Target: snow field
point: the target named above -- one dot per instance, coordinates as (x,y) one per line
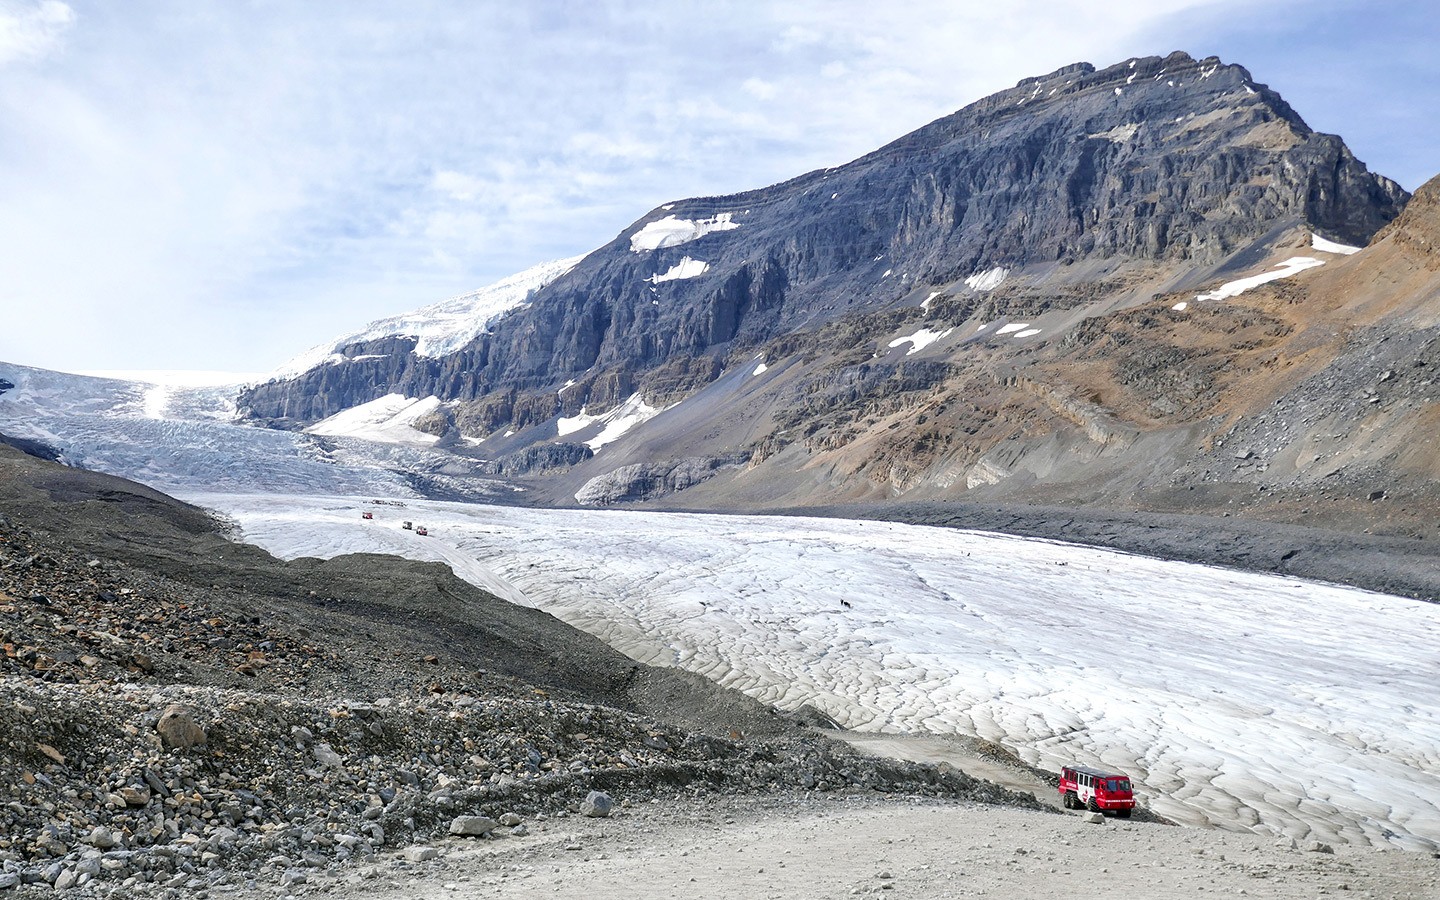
(671,231)
(1289,267)
(617,421)
(389,419)
(1234,700)
(440,328)
(685,268)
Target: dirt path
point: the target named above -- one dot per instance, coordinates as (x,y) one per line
(962,754)
(822,848)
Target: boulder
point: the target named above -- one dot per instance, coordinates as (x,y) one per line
(472,826)
(178,728)
(597,805)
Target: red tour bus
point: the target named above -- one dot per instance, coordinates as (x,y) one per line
(1082,787)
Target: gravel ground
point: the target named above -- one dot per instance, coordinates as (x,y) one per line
(842,846)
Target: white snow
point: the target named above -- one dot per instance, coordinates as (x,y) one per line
(389,419)
(685,268)
(1237,700)
(1119,91)
(919,340)
(1181,306)
(106,425)
(672,231)
(1320,243)
(760,368)
(617,421)
(887,273)
(569,383)
(1285,269)
(925,304)
(1013,327)
(987,280)
(443,327)
(1029,332)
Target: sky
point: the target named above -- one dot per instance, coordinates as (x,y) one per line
(222,185)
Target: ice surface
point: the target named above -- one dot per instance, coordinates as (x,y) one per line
(441,327)
(672,231)
(1282,270)
(685,268)
(1319,243)
(919,340)
(107,425)
(389,419)
(1239,700)
(987,280)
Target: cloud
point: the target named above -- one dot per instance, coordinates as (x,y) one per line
(32,30)
(456,185)
(759,88)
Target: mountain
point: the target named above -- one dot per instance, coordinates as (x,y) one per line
(957,313)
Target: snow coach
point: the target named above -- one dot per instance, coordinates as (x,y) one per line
(421,530)
(407,525)
(1082,787)
(367,515)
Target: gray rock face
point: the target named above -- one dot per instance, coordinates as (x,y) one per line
(644,481)
(1156,160)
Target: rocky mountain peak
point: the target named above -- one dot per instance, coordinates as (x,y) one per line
(1082,178)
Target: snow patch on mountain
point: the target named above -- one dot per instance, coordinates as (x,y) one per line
(919,340)
(987,280)
(1321,244)
(1289,267)
(672,231)
(617,421)
(685,268)
(441,328)
(389,419)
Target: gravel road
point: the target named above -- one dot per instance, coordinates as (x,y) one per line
(897,847)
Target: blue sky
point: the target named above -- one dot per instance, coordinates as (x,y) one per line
(218,185)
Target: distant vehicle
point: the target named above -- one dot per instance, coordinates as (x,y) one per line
(1082,787)
(407,526)
(421,530)
(368,515)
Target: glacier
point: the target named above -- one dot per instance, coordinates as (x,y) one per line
(1235,700)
